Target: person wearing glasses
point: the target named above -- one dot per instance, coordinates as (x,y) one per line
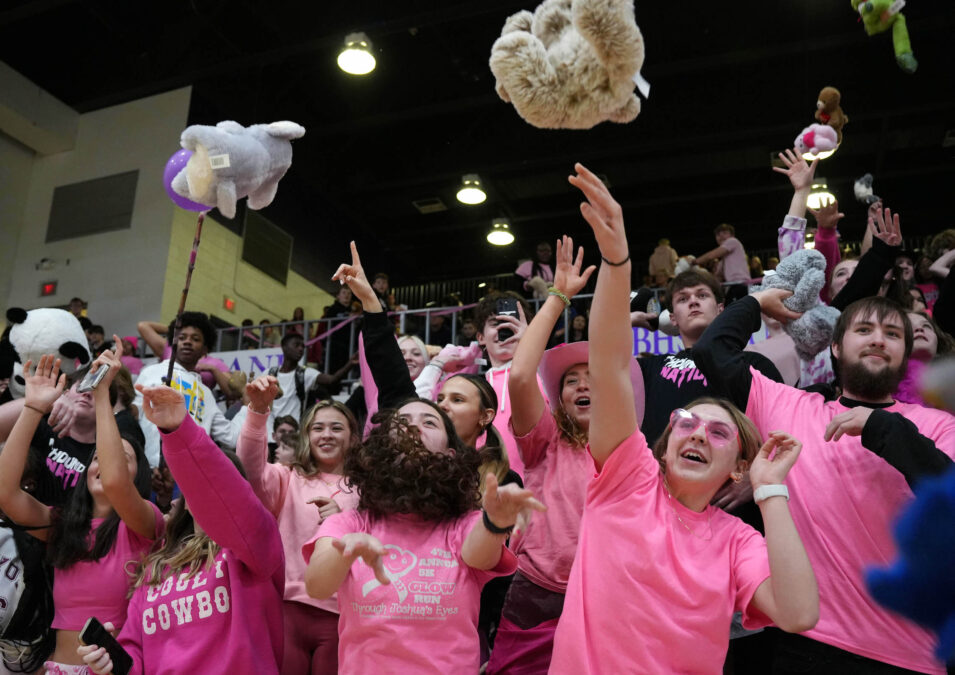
(659,572)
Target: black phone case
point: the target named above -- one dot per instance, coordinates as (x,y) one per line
(94,634)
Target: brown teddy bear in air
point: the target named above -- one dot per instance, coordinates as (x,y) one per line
(571,64)
(828,110)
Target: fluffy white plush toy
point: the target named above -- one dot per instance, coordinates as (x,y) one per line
(46,331)
(571,64)
(230,161)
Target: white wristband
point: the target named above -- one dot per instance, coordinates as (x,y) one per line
(764,492)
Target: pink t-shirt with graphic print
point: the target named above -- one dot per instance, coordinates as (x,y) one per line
(654,584)
(101,588)
(844,501)
(426,619)
(557,473)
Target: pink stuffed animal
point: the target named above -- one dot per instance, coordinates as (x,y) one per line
(817,138)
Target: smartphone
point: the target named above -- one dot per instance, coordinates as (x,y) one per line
(92,380)
(506,307)
(93,633)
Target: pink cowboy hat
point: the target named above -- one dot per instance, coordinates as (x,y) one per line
(557,360)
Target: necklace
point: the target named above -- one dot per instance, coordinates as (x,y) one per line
(709,531)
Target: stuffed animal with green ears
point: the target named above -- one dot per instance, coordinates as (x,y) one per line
(879,16)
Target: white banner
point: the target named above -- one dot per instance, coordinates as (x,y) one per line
(256,361)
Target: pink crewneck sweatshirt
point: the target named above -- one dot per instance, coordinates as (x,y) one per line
(228,618)
(285,492)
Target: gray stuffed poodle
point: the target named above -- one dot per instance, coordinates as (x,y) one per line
(804,273)
(230,161)
(571,64)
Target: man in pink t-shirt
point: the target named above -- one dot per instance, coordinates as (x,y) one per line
(861,454)
(733,265)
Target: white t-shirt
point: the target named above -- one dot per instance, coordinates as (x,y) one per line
(289,403)
(200,404)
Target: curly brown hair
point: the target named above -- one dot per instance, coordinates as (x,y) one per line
(395,473)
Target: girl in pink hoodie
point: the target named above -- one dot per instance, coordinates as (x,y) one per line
(300,497)
(106,524)
(210,598)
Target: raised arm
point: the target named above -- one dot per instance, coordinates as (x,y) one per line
(718,352)
(613,418)
(332,558)
(154,333)
(790,597)
(527,402)
(252,447)
(42,389)
(827,241)
(136,512)
(886,236)
(220,499)
(502,505)
(382,353)
(793,231)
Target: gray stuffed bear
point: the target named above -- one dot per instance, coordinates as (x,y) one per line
(804,273)
(571,64)
(230,161)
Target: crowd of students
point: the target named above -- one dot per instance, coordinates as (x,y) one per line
(571,510)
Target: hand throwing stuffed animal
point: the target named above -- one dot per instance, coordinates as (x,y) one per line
(879,16)
(230,161)
(829,112)
(804,273)
(571,64)
(817,138)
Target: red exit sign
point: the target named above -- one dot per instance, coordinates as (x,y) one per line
(47,288)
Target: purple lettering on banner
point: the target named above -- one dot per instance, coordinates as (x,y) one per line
(234,366)
(258,364)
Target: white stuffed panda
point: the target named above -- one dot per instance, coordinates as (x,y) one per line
(42,331)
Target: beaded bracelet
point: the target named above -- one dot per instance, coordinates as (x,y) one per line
(495,529)
(553,290)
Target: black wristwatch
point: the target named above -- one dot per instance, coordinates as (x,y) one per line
(494,529)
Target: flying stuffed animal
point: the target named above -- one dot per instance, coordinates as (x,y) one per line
(816,138)
(230,161)
(572,64)
(829,112)
(863,190)
(879,16)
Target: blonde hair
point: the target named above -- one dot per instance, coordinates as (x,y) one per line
(304,462)
(421,345)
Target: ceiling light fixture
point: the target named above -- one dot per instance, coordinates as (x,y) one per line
(820,195)
(500,233)
(471,191)
(355,57)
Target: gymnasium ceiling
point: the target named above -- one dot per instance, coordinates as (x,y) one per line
(732,83)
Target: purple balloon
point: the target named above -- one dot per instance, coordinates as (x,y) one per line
(176,164)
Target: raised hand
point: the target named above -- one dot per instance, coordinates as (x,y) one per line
(62,416)
(828,216)
(603,214)
(799,172)
(771,304)
(354,277)
(110,358)
(368,548)
(885,226)
(44,386)
(505,503)
(261,392)
(163,406)
(774,460)
(568,277)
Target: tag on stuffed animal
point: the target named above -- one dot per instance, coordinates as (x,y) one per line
(219,161)
(896,7)
(642,85)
